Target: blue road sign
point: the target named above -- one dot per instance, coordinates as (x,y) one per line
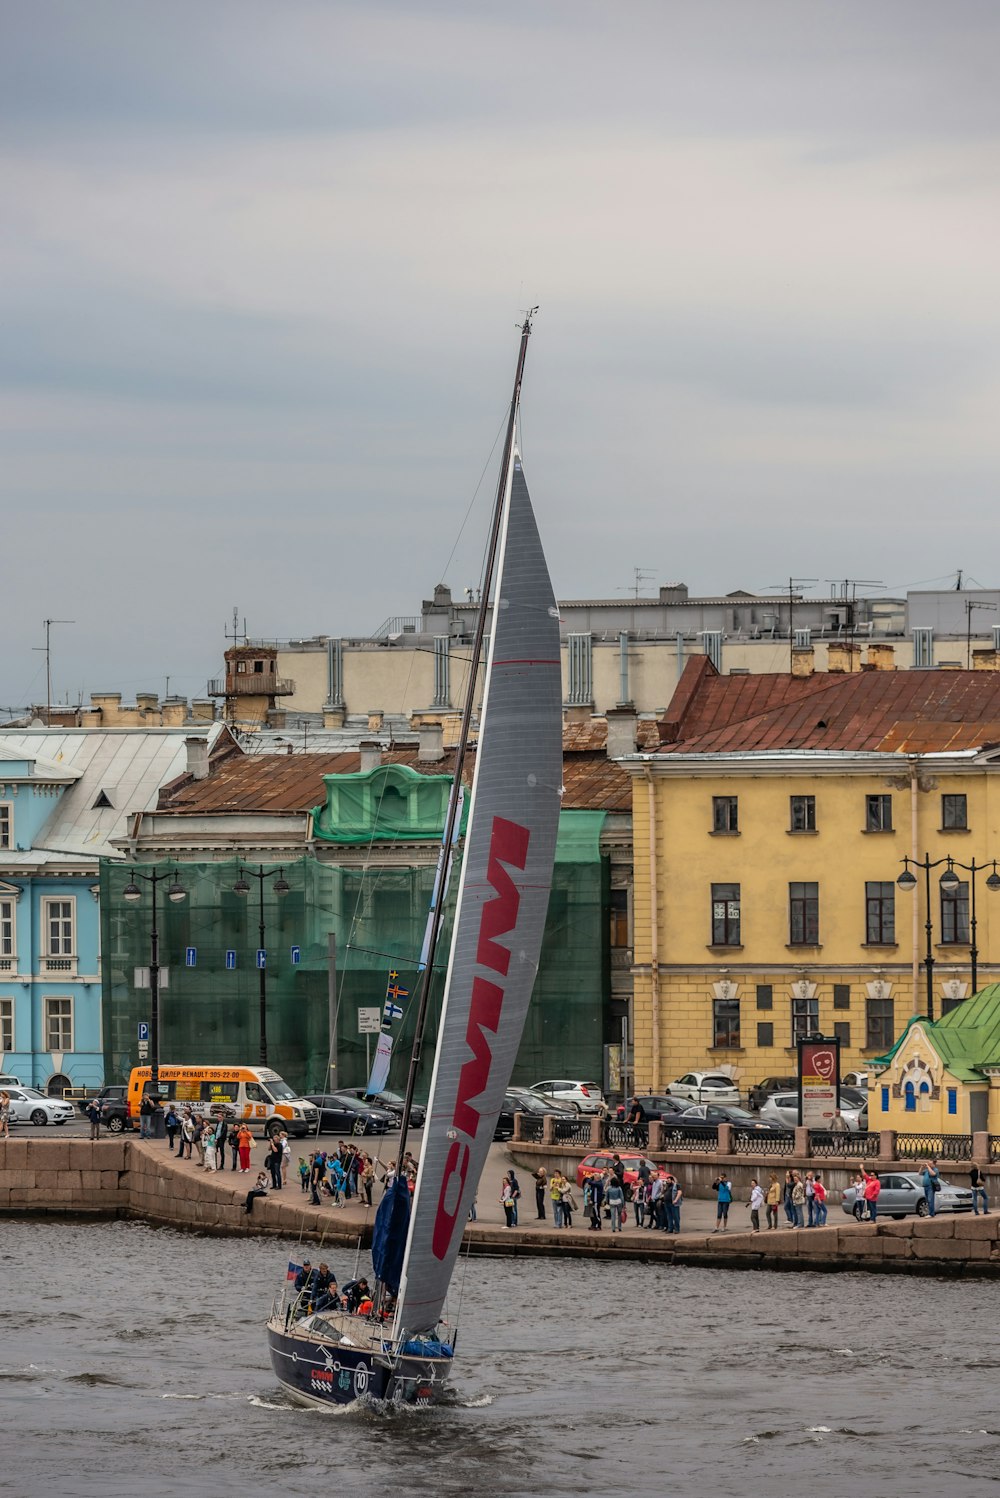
(191,956)
(261,957)
(143,1030)
(230,958)
(296,956)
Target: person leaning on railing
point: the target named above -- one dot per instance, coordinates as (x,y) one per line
(838,1124)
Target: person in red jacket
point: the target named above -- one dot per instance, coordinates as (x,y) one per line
(872,1188)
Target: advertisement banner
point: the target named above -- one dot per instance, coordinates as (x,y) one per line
(819,1082)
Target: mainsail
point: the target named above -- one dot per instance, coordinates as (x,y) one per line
(500,915)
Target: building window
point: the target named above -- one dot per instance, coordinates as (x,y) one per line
(725,816)
(803,915)
(6,1025)
(58,925)
(765,996)
(885,1099)
(765,1034)
(7,928)
(880,913)
(842,1032)
(726,1023)
(725,915)
(879,1024)
(619,918)
(803,813)
(579,659)
(952,1100)
(923,647)
(909,1098)
(955,915)
(805,1019)
(954,812)
(59,1025)
(6,825)
(841,996)
(878,813)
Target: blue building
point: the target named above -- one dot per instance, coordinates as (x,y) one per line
(64,795)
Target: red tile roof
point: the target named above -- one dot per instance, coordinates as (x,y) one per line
(883,711)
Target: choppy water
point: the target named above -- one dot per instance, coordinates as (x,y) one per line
(133,1360)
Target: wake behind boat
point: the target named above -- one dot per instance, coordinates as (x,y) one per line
(396,1346)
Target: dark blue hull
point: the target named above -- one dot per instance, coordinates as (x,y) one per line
(317,1372)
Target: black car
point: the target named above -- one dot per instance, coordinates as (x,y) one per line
(115,1093)
(659,1105)
(517,1101)
(341,1114)
(705,1118)
(388,1102)
(760,1093)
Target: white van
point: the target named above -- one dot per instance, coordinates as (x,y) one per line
(8,1081)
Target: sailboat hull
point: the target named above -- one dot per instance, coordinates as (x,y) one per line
(322,1373)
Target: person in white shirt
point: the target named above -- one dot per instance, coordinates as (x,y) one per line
(756,1202)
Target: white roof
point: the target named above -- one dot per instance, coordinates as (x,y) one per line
(122,766)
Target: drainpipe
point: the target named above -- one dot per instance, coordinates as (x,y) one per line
(654,939)
(915,911)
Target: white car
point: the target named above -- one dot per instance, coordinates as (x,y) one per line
(856,1079)
(783,1108)
(586,1097)
(28,1105)
(706,1087)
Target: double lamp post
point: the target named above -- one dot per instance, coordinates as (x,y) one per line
(949,884)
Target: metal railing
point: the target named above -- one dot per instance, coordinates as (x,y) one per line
(825,1145)
(762,1142)
(531,1127)
(623,1135)
(933,1146)
(706,1139)
(572,1130)
(994,1147)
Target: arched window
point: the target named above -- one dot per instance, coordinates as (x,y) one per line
(910,1095)
(58,1085)
(925,1097)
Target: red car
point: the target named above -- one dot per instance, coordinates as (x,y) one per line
(594,1165)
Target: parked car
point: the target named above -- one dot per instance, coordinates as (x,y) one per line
(783,1108)
(698,1115)
(761,1091)
(706,1087)
(593,1165)
(522,1100)
(586,1097)
(902,1195)
(116,1092)
(28,1105)
(348,1115)
(660,1105)
(389,1102)
(855,1079)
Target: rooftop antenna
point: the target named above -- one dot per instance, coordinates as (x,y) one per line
(970,604)
(793,584)
(640,576)
(958,581)
(47,647)
(236,637)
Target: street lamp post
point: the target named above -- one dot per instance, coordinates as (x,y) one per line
(281,887)
(948,883)
(176,893)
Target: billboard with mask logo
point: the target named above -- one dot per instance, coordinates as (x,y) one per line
(819,1082)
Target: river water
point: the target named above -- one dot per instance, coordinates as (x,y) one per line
(133,1361)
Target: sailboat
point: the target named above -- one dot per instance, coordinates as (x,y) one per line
(398,1347)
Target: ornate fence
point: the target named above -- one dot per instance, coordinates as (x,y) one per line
(824,1145)
(573,1130)
(933,1146)
(995,1147)
(705,1140)
(762,1142)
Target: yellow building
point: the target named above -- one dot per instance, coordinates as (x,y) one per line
(769,831)
(943,1077)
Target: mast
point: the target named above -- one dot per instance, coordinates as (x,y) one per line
(464,731)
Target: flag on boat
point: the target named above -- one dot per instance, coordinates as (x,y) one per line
(391,1012)
(395,989)
(293,1270)
(380,1070)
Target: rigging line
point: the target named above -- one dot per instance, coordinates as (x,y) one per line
(475,492)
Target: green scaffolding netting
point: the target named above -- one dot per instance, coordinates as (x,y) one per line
(209,1006)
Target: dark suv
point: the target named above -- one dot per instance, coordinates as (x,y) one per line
(759,1095)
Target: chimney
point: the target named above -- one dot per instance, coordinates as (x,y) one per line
(147,702)
(986,660)
(174,713)
(276,717)
(203,709)
(376,718)
(841,656)
(197,757)
(333,717)
(371,754)
(803,660)
(882,657)
(430,741)
(621,731)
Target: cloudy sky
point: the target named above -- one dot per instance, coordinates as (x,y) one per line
(262,265)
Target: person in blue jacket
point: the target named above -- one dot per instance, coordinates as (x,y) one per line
(723,1188)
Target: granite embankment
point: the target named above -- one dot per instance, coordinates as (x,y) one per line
(132,1178)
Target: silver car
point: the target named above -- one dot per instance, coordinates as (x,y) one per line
(783,1108)
(902,1195)
(28,1105)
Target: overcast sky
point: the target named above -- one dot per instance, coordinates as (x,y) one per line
(262,265)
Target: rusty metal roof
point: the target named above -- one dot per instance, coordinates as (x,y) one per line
(893,712)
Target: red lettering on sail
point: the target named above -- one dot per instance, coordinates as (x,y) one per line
(508,845)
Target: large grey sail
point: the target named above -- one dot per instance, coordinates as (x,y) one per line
(500,916)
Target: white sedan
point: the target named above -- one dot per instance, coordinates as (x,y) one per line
(706,1087)
(783,1108)
(28,1105)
